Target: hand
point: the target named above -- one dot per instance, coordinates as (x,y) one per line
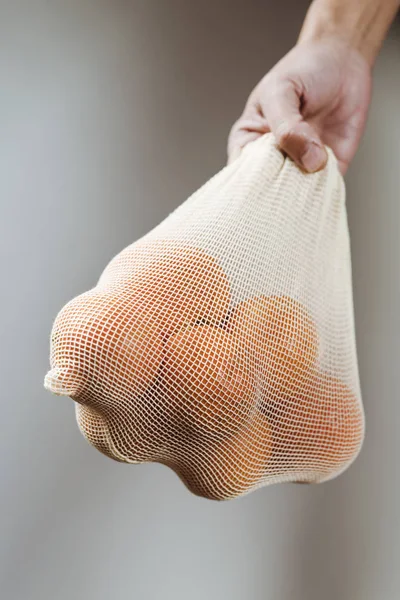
(317,95)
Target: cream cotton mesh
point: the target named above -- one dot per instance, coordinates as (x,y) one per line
(222,343)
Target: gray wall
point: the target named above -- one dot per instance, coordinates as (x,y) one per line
(111,113)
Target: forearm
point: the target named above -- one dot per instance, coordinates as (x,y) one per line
(363,24)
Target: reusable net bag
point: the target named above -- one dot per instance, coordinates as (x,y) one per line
(222,343)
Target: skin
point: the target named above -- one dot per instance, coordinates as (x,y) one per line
(319,93)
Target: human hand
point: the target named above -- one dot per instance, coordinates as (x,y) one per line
(317,95)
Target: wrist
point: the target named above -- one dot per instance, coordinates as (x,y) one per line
(360,24)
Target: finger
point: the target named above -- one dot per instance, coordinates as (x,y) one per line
(244,131)
(241,139)
(296,137)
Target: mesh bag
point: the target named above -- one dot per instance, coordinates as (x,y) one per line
(222,343)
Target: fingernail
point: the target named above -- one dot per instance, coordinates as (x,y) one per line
(315,157)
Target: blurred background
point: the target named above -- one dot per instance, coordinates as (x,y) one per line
(111,114)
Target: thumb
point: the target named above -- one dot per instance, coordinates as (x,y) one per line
(297,138)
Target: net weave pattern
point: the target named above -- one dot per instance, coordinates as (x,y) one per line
(222,343)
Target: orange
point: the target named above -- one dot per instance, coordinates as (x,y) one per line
(135,431)
(178,284)
(210,378)
(322,430)
(94,428)
(234,466)
(104,349)
(283,338)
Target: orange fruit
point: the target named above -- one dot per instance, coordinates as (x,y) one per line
(234,466)
(321,431)
(93,426)
(178,284)
(283,338)
(210,378)
(133,432)
(104,350)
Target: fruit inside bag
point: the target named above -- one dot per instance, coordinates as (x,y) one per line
(222,343)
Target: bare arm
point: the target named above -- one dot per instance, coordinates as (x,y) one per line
(362,24)
(319,93)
